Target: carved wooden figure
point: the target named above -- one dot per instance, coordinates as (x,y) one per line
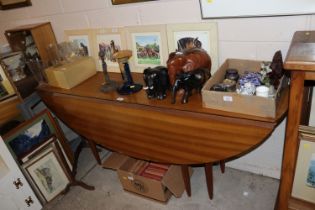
(189,81)
(187,61)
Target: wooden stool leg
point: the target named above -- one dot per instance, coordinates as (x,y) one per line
(209,179)
(186,179)
(222,166)
(94,151)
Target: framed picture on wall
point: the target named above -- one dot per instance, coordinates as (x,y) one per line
(47,174)
(148,45)
(202,35)
(304,179)
(83,39)
(109,41)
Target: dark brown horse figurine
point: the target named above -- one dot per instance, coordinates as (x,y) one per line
(187,61)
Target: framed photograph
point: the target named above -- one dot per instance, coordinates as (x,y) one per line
(202,35)
(47,174)
(109,41)
(304,179)
(82,38)
(148,45)
(33,133)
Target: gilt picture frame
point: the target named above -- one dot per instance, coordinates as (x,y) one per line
(13,4)
(148,45)
(203,35)
(47,174)
(109,41)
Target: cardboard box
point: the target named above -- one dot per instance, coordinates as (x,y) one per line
(171,184)
(233,102)
(71,74)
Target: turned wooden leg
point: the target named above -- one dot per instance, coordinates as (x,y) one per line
(94,151)
(222,166)
(186,179)
(209,179)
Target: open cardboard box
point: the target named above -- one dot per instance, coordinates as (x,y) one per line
(171,184)
(233,102)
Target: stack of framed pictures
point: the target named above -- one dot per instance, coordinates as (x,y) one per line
(40,149)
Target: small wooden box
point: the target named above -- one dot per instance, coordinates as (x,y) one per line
(233,102)
(71,74)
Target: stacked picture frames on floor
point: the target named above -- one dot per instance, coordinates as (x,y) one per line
(44,156)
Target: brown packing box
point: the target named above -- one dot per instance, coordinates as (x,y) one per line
(233,102)
(172,182)
(71,74)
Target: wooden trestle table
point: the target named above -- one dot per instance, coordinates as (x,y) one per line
(157,130)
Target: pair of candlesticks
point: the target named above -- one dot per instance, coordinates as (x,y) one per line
(128,86)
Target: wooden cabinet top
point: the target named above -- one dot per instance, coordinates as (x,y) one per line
(301,54)
(27,27)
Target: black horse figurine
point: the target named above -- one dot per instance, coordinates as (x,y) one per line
(189,81)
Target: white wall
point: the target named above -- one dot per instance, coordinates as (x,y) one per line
(250,38)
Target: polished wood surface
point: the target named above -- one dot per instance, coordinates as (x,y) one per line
(158,130)
(300,60)
(8,109)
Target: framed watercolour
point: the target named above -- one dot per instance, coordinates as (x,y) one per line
(109,41)
(82,38)
(304,179)
(47,174)
(203,35)
(148,45)
(33,133)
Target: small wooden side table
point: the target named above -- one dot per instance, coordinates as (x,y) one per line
(300,61)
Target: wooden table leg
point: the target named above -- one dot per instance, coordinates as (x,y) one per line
(209,179)
(186,179)
(291,144)
(94,151)
(222,166)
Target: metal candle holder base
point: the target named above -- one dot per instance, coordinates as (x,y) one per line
(109,86)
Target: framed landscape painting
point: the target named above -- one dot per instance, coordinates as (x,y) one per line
(47,174)
(34,133)
(148,45)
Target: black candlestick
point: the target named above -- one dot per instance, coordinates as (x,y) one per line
(109,85)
